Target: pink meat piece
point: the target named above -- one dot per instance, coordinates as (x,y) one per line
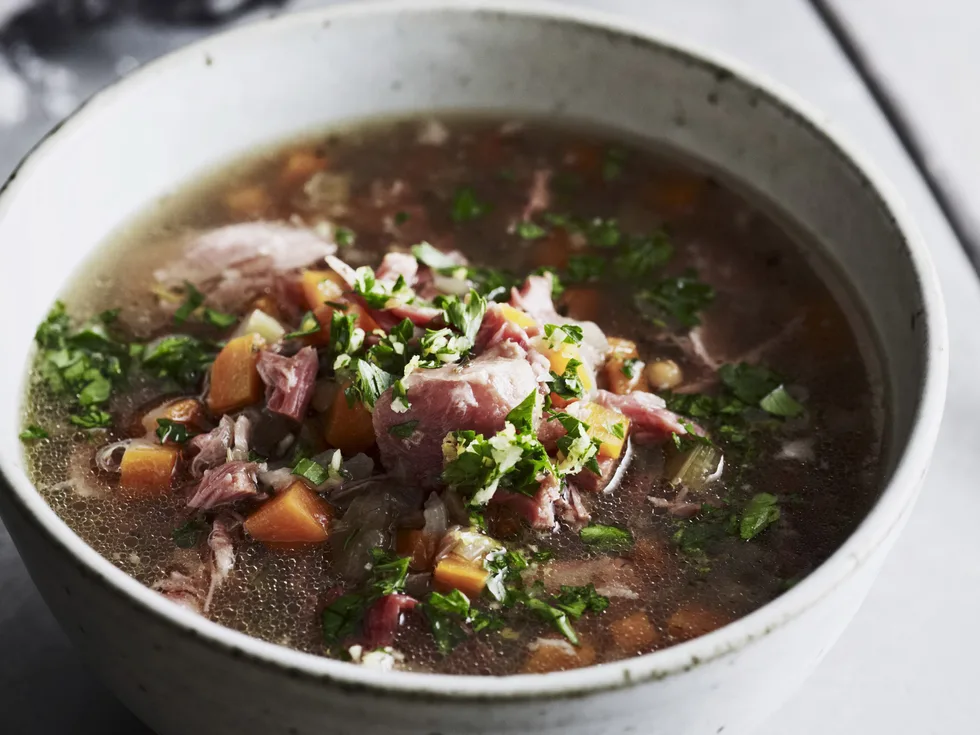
(477,397)
(289,381)
(496,328)
(383,618)
(235,263)
(647,412)
(221,546)
(539,195)
(612,576)
(588,481)
(226,484)
(538,509)
(534,297)
(418,314)
(211,449)
(398,264)
(571,509)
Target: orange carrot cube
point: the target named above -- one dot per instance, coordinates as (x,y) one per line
(235,381)
(295,516)
(148,469)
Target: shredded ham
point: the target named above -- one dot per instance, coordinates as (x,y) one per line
(383,618)
(538,510)
(226,484)
(290,381)
(221,548)
(186,590)
(539,195)
(651,421)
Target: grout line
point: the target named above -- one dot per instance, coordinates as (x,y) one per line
(899,122)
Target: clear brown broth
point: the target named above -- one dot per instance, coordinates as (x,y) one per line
(764,276)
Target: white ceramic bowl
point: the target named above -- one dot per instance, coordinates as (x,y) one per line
(197,108)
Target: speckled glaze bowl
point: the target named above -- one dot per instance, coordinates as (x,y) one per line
(172,121)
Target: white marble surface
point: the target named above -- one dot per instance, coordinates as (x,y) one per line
(904,667)
(926,57)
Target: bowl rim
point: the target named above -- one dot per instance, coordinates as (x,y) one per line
(889,511)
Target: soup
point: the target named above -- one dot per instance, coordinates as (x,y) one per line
(467,396)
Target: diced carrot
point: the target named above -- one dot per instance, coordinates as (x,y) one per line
(634,632)
(348,428)
(622,351)
(675,194)
(324,315)
(321,286)
(418,545)
(235,381)
(552,654)
(269,305)
(300,166)
(553,251)
(582,303)
(453,573)
(608,426)
(692,621)
(518,316)
(148,469)
(252,201)
(295,516)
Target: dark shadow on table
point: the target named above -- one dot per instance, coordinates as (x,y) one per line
(44,686)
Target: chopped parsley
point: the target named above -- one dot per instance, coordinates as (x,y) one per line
(180,358)
(576,601)
(642,255)
(404,430)
(606,538)
(402,217)
(466,206)
(523,415)
(342,617)
(477,466)
(399,397)
(756,385)
(346,338)
(629,366)
(33,432)
(493,284)
(530,231)
(368,382)
(172,431)
(381,294)
(568,385)
(555,336)
(761,511)
(308,325)
(312,471)
(192,301)
(344,237)
(219,319)
(577,450)
(189,535)
(612,164)
(82,365)
(676,300)
(450,615)
(465,315)
(583,268)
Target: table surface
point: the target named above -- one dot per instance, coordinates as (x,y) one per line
(904,664)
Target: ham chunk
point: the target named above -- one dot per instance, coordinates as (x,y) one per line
(477,397)
(394,265)
(383,618)
(289,381)
(226,484)
(647,412)
(538,509)
(612,577)
(233,264)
